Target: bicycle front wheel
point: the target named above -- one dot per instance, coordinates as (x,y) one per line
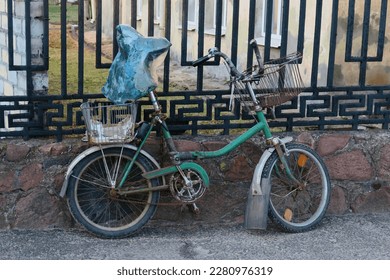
(100,207)
(298,205)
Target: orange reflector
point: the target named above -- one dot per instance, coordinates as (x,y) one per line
(288,214)
(302,160)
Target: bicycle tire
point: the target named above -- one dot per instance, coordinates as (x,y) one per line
(298,208)
(101,209)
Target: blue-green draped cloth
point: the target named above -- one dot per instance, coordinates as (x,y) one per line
(133,72)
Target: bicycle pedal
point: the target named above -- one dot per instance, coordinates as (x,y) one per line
(193,208)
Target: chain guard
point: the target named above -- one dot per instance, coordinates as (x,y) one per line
(190,192)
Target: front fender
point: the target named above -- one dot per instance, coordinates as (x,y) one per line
(256,188)
(92,150)
(256,180)
(256,213)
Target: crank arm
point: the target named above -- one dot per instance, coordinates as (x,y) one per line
(173,169)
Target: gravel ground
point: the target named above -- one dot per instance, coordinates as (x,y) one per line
(347,237)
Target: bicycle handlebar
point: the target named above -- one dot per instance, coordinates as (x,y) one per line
(213,52)
(255,47)
(201,60)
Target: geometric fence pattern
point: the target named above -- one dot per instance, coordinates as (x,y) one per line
(327,101)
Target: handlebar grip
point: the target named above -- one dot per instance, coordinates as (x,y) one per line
(201,60)
(253,43)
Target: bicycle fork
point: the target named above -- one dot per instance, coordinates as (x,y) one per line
(280,147)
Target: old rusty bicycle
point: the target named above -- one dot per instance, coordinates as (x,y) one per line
(113,188)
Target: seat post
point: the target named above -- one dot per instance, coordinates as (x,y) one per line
(154,101)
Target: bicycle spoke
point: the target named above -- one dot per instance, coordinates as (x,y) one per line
(297,207)
(109,211)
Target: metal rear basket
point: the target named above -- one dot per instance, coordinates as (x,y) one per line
(279,82)
(109,123)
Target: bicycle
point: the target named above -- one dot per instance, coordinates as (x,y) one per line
(113,187)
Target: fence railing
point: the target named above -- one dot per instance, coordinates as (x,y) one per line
(344,65)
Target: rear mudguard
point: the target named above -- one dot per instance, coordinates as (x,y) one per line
(94,149)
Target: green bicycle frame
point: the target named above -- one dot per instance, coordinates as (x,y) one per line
(260,126)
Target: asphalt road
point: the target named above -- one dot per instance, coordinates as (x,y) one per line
(357,237)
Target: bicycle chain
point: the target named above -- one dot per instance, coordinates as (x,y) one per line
(157,204)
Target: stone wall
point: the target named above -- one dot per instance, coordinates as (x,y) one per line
(32,172)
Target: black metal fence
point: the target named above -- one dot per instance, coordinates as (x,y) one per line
(325,103)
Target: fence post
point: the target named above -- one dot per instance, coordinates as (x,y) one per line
(21,49)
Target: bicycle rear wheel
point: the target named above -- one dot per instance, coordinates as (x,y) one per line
(298,207)
(105,211)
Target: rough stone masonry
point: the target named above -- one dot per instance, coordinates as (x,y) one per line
(32,172)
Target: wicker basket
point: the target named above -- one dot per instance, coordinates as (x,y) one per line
(279,82)
(109,123)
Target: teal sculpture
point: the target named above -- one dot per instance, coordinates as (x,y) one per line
(133,73)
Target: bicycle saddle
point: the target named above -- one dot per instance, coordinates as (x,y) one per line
(133,73)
